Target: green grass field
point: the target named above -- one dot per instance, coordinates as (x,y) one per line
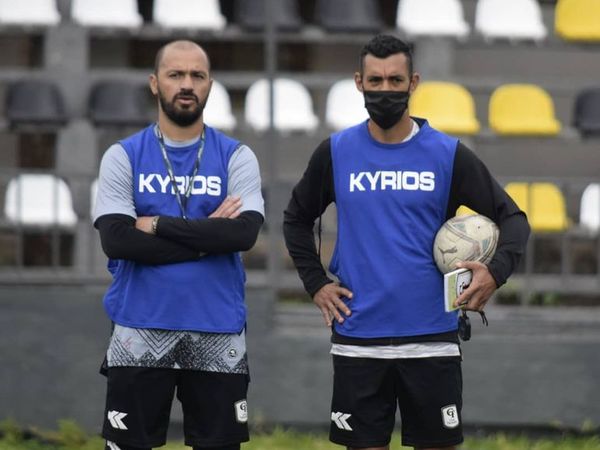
(71,437)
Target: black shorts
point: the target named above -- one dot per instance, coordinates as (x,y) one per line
(366,392)
(138,406)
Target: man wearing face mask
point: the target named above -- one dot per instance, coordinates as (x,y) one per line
(395,180)
(176,204)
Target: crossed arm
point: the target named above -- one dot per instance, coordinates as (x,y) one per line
(177,240)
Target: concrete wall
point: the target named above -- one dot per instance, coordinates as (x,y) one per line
(531,367)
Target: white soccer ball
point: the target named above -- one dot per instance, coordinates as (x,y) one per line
(465,238)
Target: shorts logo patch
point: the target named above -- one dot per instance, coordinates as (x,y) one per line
(450,416)
(116,419)
(340,420)
(241,411)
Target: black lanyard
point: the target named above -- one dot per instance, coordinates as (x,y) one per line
(188,191)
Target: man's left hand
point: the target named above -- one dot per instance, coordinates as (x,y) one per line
(144,224)
(481,288)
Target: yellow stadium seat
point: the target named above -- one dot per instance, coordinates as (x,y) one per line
(464,211)
(543,203)
(522,109)
(577,20)
(448,107)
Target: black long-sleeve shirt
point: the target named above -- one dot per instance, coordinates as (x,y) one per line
(177,239)
(472,185)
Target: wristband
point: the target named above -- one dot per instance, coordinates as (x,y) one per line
(154,224)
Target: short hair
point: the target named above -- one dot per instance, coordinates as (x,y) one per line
(384,45)
(179,43)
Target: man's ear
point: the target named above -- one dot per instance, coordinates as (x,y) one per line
(358,81)
(153,82)
(414,81)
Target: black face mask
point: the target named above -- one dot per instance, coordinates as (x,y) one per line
(386,108)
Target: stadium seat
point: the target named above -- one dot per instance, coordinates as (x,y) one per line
(431,18)
(34,102)
(543,203)
(345,105)
(293,106)
(106,13)
(522,109)
(464,211)
(251,14)
(39,200)
(348,15)
(217,112)
(577,20)
(587,112)
(205,14)
(589,210)
(512,19)
(449,107)
(118,103)
(29,12)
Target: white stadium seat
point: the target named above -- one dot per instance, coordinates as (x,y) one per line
(39,200)
(345,105)
(293,106)
(432,18)
(217,112)
(29,12)
(106,13)
(205,14)
(589,211)
(510,19)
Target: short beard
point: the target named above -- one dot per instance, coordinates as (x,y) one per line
(182,118)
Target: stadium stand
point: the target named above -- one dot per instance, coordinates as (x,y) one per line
(293,106)
(35,102)
(432,18)
(447,106)
(348,15)
(251,14)
(107,13)
(189,14)
(81,61)
(345,105)
(75,56)
(510,19)
(543,203)
(29,12)
(119,103)
(217,112)
(577,20)
(586,113)
(522,109)
(39,200)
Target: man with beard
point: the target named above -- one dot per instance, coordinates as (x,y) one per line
(176,204)
(395,180)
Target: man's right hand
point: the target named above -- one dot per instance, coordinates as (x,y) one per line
(229,209)
(328,300)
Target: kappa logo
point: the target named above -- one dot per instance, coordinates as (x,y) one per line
(341,420)
(450,416)
(116,419)
(201,185)
(393,180)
